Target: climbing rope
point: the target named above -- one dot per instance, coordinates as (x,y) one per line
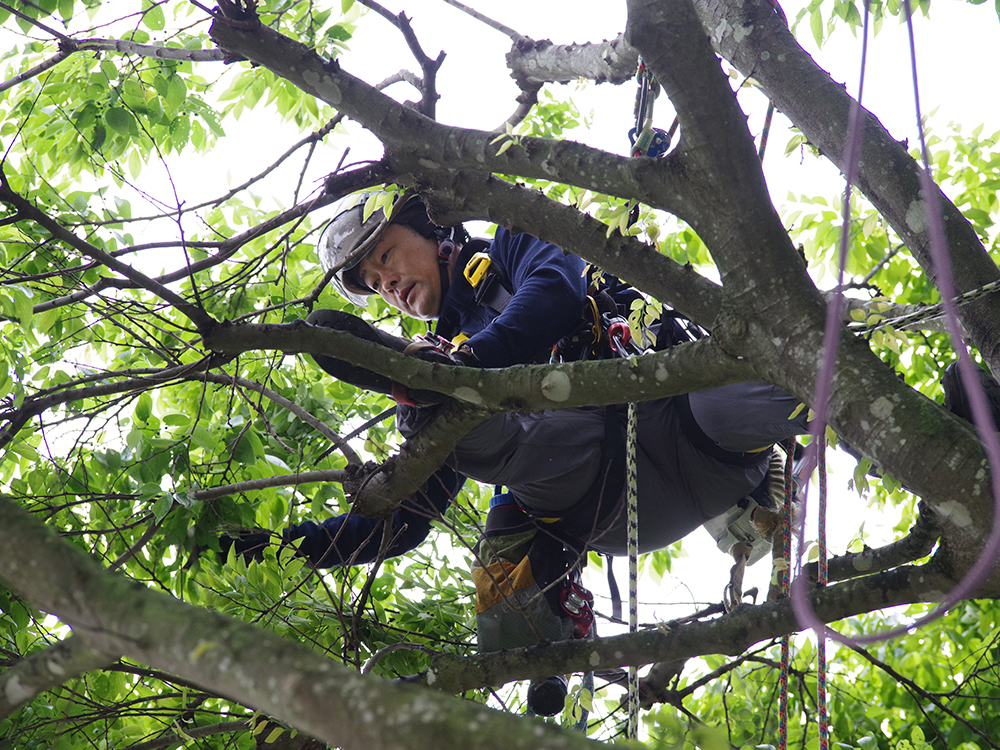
(784,575)
(632,499)
(821,580)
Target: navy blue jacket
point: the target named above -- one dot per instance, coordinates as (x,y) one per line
(549,290)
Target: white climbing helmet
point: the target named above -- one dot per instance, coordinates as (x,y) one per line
(348,238)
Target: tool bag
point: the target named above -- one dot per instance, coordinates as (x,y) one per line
(527,583)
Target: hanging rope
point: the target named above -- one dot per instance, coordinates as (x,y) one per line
(633,567)
(821,580)
(784,575)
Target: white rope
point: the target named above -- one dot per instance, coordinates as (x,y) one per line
(633,567)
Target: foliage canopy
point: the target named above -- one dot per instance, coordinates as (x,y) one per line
(152,395)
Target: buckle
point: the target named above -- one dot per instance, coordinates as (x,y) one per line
(476,268)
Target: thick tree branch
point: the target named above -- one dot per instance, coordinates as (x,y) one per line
(918,543)
(682,369)
(732,634)
(415,142)
(455,197)
(758,43)
(255,667)
(46,669)
(533,63)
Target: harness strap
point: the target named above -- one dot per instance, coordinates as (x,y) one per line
(489,283)
(701,441)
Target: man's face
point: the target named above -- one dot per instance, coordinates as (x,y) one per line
(403,270)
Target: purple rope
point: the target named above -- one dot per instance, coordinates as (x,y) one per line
(821,580)
(980,409)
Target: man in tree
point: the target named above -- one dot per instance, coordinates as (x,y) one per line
(513,301)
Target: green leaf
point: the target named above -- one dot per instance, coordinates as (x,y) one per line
(816,26)
(109,69)
(120,120)
(154,18)
(176,93)
(143,407)
(162,506)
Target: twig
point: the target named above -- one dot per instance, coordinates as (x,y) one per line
(282,480)
(394,647)
(917,690)
(127,47)
(35,22)
(26,210)
(485,19)
(428,87)
(37,70)
(139,544)
(195,732)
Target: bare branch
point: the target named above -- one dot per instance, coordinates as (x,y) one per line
(485,19)
(282,480)
(143,50)
(47,668)
(32,72)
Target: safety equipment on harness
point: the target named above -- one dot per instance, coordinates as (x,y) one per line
(527,584)
(349,237)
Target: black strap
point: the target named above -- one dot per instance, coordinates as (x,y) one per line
(616,595)
(492,292)
(701,441)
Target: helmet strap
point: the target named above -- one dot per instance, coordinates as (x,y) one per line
(446,248)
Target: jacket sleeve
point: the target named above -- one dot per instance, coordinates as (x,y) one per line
(549,290)
(356,540)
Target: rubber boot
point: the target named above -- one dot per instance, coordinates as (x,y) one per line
(547,697)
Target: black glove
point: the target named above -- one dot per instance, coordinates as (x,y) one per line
(359,376)
(431,352)
(248,543)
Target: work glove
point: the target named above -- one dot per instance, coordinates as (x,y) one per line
(441,352)
(248,543)
(359,376)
